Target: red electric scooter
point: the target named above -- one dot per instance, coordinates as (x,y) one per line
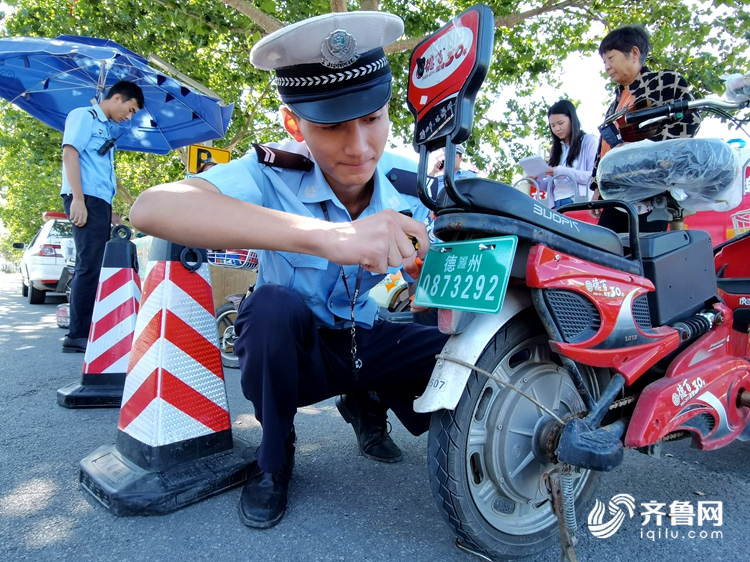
(570,342)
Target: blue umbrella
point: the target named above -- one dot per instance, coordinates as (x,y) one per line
(50,77)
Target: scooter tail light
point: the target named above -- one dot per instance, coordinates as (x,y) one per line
(454,321)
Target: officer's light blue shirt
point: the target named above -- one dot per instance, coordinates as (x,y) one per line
(315,279)
(461,174)
(86,130)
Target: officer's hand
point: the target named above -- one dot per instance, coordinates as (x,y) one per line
(416,309)
(413,266)
(437,167)
(378,242)
(79,215)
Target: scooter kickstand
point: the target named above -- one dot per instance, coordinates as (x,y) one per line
(461,545)
(568,540)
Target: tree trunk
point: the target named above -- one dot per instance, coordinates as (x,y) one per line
(507,22)
(124,193)
(269,24)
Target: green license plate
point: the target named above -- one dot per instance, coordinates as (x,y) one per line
(471,275)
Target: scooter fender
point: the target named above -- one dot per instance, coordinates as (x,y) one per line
(449,379)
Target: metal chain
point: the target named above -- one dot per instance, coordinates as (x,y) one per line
(675,435)
(623,402)
(356,362)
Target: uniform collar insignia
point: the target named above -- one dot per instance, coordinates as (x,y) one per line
(339,49)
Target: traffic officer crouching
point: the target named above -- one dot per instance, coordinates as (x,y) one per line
(309,331)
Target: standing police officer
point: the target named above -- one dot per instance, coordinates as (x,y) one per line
(458,172)
(330,206)
(88,186)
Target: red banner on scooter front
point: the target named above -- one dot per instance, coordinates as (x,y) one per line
(445,73)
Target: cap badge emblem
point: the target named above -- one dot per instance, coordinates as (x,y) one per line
(339,49)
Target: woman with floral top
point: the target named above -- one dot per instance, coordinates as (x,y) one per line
(624,52)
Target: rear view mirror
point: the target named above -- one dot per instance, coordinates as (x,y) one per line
(446,71)
(18,246)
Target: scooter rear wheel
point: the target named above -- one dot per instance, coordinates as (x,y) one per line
(225,317)
(485,468)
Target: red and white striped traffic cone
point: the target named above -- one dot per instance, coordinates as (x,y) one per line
(174,442)
(112,325)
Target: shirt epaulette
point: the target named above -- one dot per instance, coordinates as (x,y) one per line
(405,182)
(282,159)
(93,114)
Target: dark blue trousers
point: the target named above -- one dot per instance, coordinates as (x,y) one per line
(90,241)
(288,362)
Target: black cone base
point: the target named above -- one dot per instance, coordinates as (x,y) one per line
(82,395)
(127,489)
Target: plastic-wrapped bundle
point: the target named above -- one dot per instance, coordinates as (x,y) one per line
(737,86)
(701,174)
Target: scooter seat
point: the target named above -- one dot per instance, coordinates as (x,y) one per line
(497,198)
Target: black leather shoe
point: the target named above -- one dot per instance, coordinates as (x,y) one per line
(74,345)
(369,420)
(264,497)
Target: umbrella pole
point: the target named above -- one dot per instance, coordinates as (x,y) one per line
(101,82)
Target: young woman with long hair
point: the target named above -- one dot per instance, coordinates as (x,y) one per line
(573,152)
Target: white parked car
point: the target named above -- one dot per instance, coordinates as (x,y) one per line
(43,262)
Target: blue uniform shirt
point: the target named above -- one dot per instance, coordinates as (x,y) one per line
(315,279)
(86,130)
(461,174)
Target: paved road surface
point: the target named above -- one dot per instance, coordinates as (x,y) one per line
(342,506)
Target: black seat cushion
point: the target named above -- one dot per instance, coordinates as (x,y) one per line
(499,198)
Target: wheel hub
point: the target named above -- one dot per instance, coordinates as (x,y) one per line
(545,440)
(511,440)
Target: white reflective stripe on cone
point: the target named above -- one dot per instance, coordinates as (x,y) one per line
(175,387)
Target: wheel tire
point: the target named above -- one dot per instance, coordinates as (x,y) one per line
(477,473)
(402,302)
(225,317)
(35,295)
(68,288)
(404,305)
(24,289)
